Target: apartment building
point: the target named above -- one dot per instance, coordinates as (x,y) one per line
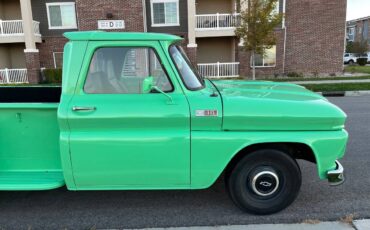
(19,36)
(310,39)
(358,30)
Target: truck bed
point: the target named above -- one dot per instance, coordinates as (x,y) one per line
(29,138)
(34,94)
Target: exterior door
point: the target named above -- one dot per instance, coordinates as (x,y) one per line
(122,134)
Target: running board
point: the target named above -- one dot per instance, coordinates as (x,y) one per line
(30,180)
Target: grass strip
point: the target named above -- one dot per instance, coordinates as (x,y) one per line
(338,87)
(357,69)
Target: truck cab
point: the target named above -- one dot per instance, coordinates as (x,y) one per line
(135,114)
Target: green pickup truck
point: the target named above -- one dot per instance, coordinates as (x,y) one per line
(134,114)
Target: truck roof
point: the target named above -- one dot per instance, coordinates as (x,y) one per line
(119,36)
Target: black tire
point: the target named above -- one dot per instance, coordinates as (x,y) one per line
(264,182)
(351,62)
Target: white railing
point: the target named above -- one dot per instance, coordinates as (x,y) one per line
(36,28)
(217,21)
(9,76)
(219,70)
(15,27)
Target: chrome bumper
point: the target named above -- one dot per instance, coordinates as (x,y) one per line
(336,176)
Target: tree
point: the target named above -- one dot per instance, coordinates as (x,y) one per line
(256,30)
(359,47)
(349,47)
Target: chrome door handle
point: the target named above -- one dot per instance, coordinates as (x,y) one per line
(80,108)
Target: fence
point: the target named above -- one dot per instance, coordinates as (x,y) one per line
(15,27)
(9,76)
(219,70)
(217,21)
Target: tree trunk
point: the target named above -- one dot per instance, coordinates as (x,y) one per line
(253,66)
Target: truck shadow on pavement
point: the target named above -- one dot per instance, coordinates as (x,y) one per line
(137,209)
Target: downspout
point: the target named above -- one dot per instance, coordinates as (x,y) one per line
(345,36)
(284,27)
(144,16)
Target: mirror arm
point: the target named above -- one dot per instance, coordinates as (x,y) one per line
(160,91)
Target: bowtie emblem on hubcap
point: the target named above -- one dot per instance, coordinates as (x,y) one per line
(265,183)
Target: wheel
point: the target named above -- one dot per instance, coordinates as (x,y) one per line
(264,182)
(351,62)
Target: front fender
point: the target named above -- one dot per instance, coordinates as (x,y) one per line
(212,151)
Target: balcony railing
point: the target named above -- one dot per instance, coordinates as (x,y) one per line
(219,70)
(217,21)
(9,76)
(15,28)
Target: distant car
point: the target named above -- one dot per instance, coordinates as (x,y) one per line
(350,58)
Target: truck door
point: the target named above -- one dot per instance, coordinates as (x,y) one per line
(123,132)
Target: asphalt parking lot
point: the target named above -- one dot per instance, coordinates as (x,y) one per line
(59,209)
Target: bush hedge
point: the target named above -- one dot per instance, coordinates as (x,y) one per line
(295,75)
(362,61)
(52,75)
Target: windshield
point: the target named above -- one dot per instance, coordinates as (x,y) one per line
(187,71)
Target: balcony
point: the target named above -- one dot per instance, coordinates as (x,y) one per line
(219,70)
(11,31)
(13,76)
(216,25)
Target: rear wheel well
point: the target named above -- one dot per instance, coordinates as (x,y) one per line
(295,150)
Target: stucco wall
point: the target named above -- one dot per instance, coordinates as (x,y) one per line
(214,6)
(211,50)
(4,60)
(10,10)
(12,56)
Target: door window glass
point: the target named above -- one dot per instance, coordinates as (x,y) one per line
(126,70)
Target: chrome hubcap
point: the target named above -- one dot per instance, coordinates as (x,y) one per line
(265,183)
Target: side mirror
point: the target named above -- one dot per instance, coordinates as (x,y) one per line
(147,85)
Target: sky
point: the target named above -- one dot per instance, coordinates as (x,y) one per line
(357,9)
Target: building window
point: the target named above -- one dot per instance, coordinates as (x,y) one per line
(351,34)
(165,12)
(61,15)
(58,60)
(269,60)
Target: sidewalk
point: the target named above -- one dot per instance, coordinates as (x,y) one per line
(355,225)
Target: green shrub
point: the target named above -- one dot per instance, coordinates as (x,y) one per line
(362,61)
(52,76)
(295,75)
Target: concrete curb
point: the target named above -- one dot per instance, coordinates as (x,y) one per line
(337,225)
(345,93)
(362,224)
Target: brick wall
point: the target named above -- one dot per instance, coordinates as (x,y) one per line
(314,43)
(89,11)
(315,36)
(33,66)
(368,37)
(46,49)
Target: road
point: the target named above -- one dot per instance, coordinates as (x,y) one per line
(59,209)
